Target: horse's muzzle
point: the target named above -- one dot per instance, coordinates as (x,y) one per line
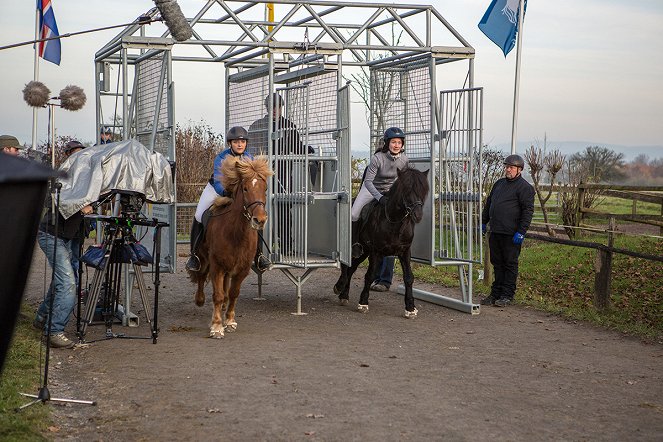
(258,221)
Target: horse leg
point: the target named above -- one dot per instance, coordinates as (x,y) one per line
(232,289)
(200,293)
(408,279)
(341,286)
(233,294)
(373,262)
(216,328)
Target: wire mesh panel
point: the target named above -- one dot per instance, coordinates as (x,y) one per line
(152,124)
(401,97)
(459,177)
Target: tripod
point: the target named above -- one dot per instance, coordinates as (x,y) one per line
(107,277)
(44,394)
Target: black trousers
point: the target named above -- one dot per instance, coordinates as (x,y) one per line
(504,258)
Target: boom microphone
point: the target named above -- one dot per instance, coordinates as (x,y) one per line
(36,94)
(72,98)
(177,24)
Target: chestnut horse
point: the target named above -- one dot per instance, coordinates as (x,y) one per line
(231,238)
(388,231)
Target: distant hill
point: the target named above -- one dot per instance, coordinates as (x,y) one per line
(568,148)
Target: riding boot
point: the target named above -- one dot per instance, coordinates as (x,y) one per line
(357,249)
(261,263)
(193,264)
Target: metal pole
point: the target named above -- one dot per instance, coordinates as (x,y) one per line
(36,78)
(514,126)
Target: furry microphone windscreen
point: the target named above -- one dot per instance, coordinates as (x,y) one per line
(175,21)
(36,94)
(72,98)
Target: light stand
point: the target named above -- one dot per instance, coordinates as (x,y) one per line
(44,394)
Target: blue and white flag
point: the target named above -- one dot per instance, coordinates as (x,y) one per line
(500,23)
(48,50)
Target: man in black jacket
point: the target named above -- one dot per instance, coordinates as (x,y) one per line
(508,209)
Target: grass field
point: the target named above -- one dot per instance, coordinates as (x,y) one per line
(560,279)
(21,373)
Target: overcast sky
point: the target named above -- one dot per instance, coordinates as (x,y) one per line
(591,70)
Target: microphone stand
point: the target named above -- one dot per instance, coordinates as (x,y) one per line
(44,394)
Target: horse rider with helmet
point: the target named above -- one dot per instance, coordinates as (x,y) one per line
(509,209)
(381,174)
(236,139)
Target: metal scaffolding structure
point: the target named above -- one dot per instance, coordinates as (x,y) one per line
(301,59)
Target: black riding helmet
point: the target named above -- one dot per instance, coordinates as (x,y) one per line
(237,133)
(393,132)
(514,160)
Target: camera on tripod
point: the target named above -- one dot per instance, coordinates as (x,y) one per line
(118,247)
(131,203)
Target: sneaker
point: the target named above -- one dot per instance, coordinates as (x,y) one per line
(503,302)
(379,287)
(488,300)
(193,264)
(59,340)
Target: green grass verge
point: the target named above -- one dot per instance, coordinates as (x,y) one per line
(21,373)
(560,279)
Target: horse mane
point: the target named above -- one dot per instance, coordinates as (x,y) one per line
(409,180)
(234,170)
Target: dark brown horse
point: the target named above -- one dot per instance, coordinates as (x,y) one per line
(388,231)
(231,238)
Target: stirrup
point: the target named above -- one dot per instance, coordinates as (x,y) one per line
(262,263)
(193,264)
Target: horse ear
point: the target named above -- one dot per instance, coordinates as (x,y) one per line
(398,172)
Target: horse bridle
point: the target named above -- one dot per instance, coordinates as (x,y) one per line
(248,209)
(408,211)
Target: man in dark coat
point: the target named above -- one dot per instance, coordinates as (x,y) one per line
(508,211)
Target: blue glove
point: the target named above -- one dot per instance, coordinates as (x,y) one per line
(518,238)
(483,229)
(383,201)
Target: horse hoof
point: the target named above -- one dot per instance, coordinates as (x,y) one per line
(412,314)
(216,334)
(342,301)
(230,327)
(362,308)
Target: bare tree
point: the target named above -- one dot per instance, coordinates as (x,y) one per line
(542,165)
(576,174)
(196,147)
(365,83)
(599,164)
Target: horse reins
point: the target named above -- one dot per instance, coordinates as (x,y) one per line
(408,211)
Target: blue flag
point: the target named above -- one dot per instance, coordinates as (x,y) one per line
(48,50)
(500,23)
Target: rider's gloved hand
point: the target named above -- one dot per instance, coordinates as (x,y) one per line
(383,201)
(518,238)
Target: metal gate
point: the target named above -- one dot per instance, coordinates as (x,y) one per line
(445,140)
(151,118)
(298,117)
